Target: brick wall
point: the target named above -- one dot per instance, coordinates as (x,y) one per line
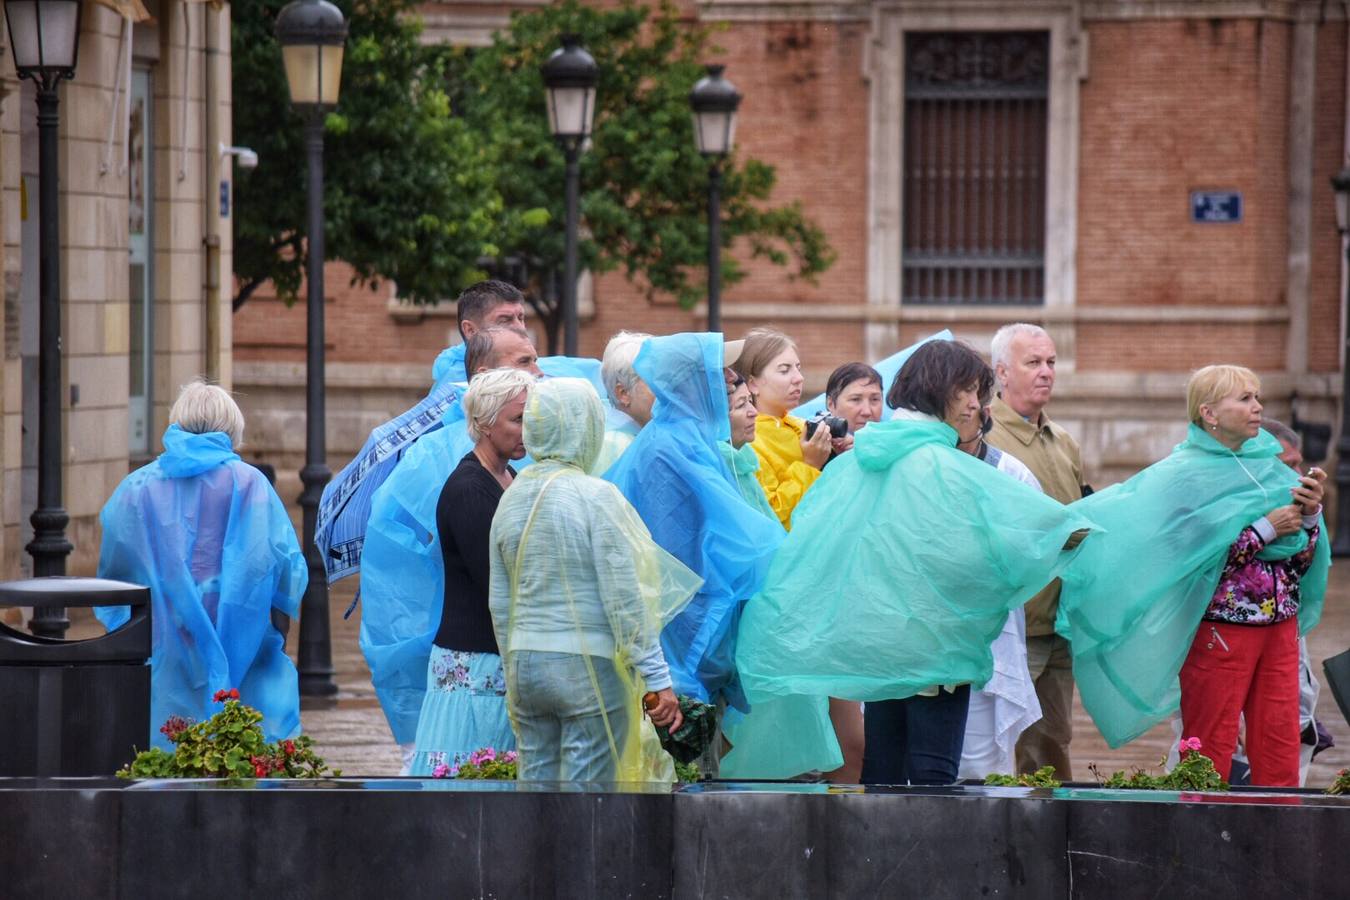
(1167,106)
(1328,158)
(1171,107)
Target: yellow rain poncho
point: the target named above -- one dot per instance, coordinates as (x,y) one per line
(574,571)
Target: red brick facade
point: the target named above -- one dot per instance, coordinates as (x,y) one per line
(1167,103)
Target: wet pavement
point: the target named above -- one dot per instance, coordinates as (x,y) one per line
(352,735)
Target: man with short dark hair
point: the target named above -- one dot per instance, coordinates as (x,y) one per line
(489,303)
(486,304)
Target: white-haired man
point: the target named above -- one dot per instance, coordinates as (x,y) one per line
(1023,357)
(630,400)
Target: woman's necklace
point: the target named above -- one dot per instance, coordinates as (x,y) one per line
(502,477)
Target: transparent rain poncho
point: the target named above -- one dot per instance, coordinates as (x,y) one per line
(676,478)
(903,563)
(620,429)
(211,539)
(1130,604)
(574,570)
(402,582)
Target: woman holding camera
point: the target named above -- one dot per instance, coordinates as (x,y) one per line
(790,460)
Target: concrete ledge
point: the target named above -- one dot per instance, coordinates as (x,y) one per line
(411,837)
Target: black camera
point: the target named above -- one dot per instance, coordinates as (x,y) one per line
(838,427)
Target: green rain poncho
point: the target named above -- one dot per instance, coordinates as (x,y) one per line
(903,562)
(1131,603)
(743,464)
(574,570)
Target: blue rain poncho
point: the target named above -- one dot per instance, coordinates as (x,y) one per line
(674,475)
(574,570)
(904,561)
(1130,605)
(211,539)
(402,582)
(344,509)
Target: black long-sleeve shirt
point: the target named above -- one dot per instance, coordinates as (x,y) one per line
(463,519)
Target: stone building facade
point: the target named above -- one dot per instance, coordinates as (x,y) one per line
(145,242)
(1147,178)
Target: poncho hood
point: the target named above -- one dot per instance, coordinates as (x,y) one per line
(187,454)
(684,371)
(449,365)
(742,459)
(881,444)
(1200,441)
(565,422)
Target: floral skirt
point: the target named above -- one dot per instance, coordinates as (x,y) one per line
(464,710)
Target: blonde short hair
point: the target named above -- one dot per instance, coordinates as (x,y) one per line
(616,367)
(1211,384)
(488,393)
(762,345)
(203,407)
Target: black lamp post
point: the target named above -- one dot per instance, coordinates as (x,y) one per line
(714,101)
(1340,545)
(312,34)
(45,38)
(570,76)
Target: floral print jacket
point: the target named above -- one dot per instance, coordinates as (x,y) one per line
(1256,591)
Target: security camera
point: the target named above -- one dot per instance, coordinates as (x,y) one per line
(244,157)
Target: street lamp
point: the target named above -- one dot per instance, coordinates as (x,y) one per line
(714,101)
(312,34)
(570,75)
(1340,545)
(45,38)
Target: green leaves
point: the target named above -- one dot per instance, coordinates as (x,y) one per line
(438,156)
(228,745)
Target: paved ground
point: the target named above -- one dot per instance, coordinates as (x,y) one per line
(352,734)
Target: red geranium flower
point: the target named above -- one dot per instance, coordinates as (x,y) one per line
(289,747)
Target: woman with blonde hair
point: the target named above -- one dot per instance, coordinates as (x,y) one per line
(790,460)
(1221,545)
(208,535)
(465,705)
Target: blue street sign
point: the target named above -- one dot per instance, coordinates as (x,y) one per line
(1216,206)
(224,199)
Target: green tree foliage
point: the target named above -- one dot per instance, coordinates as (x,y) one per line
(442,160)
(408,189)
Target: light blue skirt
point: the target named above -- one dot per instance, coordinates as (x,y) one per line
(464,710)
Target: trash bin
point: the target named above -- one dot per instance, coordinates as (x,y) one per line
(74,708)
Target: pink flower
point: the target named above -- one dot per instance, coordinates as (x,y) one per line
(510,756)
(1191,743)
(441,771)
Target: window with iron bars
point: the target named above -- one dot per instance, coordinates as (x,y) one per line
(974,167)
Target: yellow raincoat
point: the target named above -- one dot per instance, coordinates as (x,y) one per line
(783,473)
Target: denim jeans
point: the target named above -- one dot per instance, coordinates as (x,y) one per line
(916,740)
(564,731)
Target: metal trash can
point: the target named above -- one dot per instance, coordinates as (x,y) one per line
(74,708)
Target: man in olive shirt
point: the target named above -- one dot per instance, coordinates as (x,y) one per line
(1024,364)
